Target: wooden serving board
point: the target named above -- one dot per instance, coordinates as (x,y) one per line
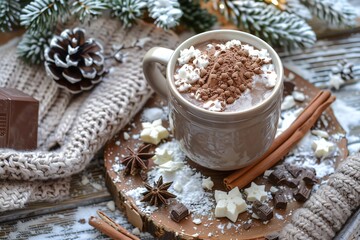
(159,223)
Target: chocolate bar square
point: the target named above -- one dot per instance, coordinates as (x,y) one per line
(18,120)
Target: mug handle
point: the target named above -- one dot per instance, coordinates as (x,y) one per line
(152,73)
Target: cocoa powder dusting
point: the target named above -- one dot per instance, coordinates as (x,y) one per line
(228,75)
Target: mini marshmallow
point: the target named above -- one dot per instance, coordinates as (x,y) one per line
(298,96)
(288,103)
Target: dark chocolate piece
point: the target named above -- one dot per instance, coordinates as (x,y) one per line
(276,176)
(309,177)
(292,182)
(263,211)
(179,212)
(293,170)
(272,236)
(247,225)
(18,120)
(280,200)
(302,193)
(288,88)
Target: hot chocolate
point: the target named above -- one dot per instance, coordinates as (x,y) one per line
(224,76)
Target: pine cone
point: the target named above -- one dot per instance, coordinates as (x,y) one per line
(345,69)
(75,64)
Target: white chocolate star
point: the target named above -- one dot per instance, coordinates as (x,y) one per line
(207,183)
(229,204)
(153,132)
(322,148)
(162,156)
(256,192)
(336,81)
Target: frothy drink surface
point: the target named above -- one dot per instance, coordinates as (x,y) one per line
(224,76)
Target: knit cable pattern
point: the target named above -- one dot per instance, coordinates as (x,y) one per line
(73,128)
(323,215)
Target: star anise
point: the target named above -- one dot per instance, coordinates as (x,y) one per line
(158,194)
(137,160)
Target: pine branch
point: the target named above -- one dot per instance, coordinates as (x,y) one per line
(295,7)
(166,13)
(87,8)
(43,14)
(265,21)
(127,11)
(9,14)
(337,13)
(32,46)
(196,17)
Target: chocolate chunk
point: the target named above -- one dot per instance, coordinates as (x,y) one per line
(276,176)
(221,61)
(203,72)
(247,225)
(293,170)
(280,201)
(179,212)
(216,66)
(272,236)
(248,74)
(292,182)
(309,177)
(18,120)
(302,193)
(288,88)
(263,211)
(242,87)
(230,100)
(224,76)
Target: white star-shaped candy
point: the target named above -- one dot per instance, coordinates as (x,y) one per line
(336,81)
(162,156)
(256,192)
(153,132)
(322,148)
(207,183)
(229,204)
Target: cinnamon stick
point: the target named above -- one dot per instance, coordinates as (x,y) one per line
(110,228)
(283,143)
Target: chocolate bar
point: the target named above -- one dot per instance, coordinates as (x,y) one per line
(18,120)
(179,212)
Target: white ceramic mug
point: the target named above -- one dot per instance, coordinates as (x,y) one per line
(217,140)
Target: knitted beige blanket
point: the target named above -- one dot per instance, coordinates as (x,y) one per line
(73,128)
